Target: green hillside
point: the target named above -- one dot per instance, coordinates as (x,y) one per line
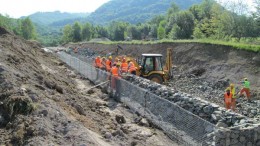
(134,11)
(46,18)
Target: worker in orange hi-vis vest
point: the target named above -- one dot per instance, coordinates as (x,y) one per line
(115,72)
(124,66)
(109,64)
(228,98)
(131,67)
(97,63)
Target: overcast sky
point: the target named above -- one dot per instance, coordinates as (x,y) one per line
(18,8)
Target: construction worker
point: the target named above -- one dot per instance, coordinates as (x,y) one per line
(109,64)
(124,66)
(228,98)
(115,72)
(131,67)
(246,86)
(97,62)
(103,63)
(233,100)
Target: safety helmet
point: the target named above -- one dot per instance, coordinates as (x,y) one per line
(231,85)
(110,57)
(228,89)
(98,56)
(245,79)
(118,64)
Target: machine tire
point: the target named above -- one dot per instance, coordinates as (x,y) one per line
(156,78)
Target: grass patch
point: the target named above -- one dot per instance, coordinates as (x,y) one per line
(236,45)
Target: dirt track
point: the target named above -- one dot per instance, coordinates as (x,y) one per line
(43,102)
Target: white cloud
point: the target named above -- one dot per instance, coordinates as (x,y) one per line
(18,8)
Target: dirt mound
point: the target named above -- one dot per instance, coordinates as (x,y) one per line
(42,102)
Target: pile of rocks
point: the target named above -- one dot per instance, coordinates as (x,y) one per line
(206,110)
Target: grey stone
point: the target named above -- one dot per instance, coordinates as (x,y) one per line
(108,135)
(215,117)
(249,144)
(242,139)
(221,124)
(144,122)
(233,141)
(44,112)
(80,109)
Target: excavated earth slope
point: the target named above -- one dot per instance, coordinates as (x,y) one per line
(43,102)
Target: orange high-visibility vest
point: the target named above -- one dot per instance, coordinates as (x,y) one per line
(108,65)
(114,71)
(98,62)
(228,98)
(131,67)
(124,67)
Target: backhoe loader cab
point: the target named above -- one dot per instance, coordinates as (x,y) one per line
(151,67)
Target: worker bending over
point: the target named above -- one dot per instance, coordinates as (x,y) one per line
(246,86)
(228,98)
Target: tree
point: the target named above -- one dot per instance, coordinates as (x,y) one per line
(117,30)
(161,30)
(28,31)
(87,31)
(183,23)
(67,34)
(76,29)
(134,32)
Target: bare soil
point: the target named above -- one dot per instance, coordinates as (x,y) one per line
(43,102)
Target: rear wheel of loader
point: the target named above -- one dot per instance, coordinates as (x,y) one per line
(156,78)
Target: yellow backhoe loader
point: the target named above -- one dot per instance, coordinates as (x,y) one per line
(151,67)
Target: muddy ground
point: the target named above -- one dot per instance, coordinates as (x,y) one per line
(43,102)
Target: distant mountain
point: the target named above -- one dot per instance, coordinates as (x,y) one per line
(135,11)
(47,18)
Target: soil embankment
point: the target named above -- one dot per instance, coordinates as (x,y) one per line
(43,102)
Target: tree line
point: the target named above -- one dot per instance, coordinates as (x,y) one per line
(22,27)
(206,20)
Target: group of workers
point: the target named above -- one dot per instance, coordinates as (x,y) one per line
(230,94)
(117,66)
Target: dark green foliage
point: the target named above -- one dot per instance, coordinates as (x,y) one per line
(135,11)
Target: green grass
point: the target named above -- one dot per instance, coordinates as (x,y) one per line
(236,45)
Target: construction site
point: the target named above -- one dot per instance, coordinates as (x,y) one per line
(55,96)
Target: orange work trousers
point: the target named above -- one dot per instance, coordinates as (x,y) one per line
(246,90)
(228,105)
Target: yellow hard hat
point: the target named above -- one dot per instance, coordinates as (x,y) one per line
(231,85)
(110,57)
(228,89)
(118,64)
